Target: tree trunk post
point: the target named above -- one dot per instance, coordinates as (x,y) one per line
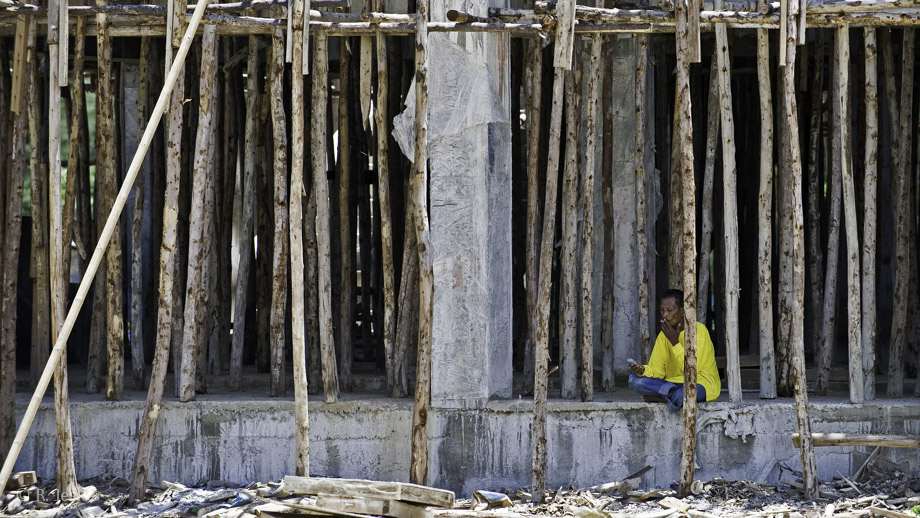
(709,169)
(533,87)
(280,245)
(346,291)
(568,298)
(587,243)
(765,222)
(642,137)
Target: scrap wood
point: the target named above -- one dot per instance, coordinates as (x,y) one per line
(646,496)
(669,502)
(850,483)
(412,493)
(861,471)
(372,506)
(627,484)
(889,513)
(664,513)
(469,513)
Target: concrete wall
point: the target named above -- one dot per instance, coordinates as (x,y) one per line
(588,443)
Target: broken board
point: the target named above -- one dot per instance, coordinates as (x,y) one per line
(412,493)
(374,506)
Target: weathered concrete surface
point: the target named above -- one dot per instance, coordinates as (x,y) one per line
(486,448)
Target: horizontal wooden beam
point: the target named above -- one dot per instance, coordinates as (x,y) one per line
(844,439)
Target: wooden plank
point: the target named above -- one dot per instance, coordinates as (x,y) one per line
(669,502)
(843,439)
(19,63)
(373,506)
(368,489)
(565,34)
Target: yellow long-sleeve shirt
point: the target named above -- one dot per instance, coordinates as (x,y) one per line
(667,361)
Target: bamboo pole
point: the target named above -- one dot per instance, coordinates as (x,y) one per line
(765,221)
(381,123)
(321,187)
(869,336)
(247,194)
(12,232)
(138,291)
(67,476)
(280,245)
(192,347)
(791,141)
(533,87)
(709,168)
(346,291)
(418,189)
(684,140)
(541,345)
(642,137)
(568,298)
(295,204)
(902,223)
(730,214)
(854,322)
(587,243)
(824,352)
(106,234)
(815,188)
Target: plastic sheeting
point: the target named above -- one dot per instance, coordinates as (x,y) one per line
(461,94)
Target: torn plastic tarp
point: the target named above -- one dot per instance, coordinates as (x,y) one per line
(461,94)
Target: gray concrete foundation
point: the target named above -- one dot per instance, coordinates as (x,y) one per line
(485,448)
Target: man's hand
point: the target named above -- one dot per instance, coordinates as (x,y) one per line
(672,333)
(639,369)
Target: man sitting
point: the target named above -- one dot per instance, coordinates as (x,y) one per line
(663,377)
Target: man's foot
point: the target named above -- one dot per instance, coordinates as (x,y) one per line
(654,399)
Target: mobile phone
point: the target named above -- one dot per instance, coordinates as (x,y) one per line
(631,361)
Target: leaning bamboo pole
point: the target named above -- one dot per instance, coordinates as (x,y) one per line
(101,246)
(541,345)
(192,345)
(568,301)
(587,207)
(418,193)
(729,212)
(857,394)
(902,223)
(791,140)
(320,96)
(869,336)
(295,204)
(280,245)
(684,140)
(765,221)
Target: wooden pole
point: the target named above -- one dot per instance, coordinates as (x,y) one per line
(709,169)
(346,291)
(138,291)
(568,301)
(587,243)
(846,439)
(729,212)
(902,222)
(533,87)
(191,346)
(541,345)
(854,335)
(765,222)
(381,123)
(418,189)
(295,204)
(248,191)
(675,215)
(642,137)
(791,141)
(106,234)
(75,160)
(815,190)
(280,245)
(321,187)
(684,140)
(869,337)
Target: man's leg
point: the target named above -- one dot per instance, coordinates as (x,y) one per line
(676,397)
(650,386)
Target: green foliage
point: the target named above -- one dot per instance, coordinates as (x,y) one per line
(916,510)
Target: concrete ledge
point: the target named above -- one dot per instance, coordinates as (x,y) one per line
(486,448)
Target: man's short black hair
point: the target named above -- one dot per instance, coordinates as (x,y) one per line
(675,294)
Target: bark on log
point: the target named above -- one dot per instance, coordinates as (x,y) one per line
(791,140)
(321,187)
(869,338)
(568,298)
(295,203)
(642,138)
(854,321)
(418,188)
(346,291)
(246,232)
(587,243)
(280,245)
(765,221)
(902,208)
(533,87)
(709,167)
(684,141)
(541,345)
(730,214)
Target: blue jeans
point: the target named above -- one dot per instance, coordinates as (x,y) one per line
(672,392)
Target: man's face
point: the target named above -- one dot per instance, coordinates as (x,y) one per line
(671,312)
